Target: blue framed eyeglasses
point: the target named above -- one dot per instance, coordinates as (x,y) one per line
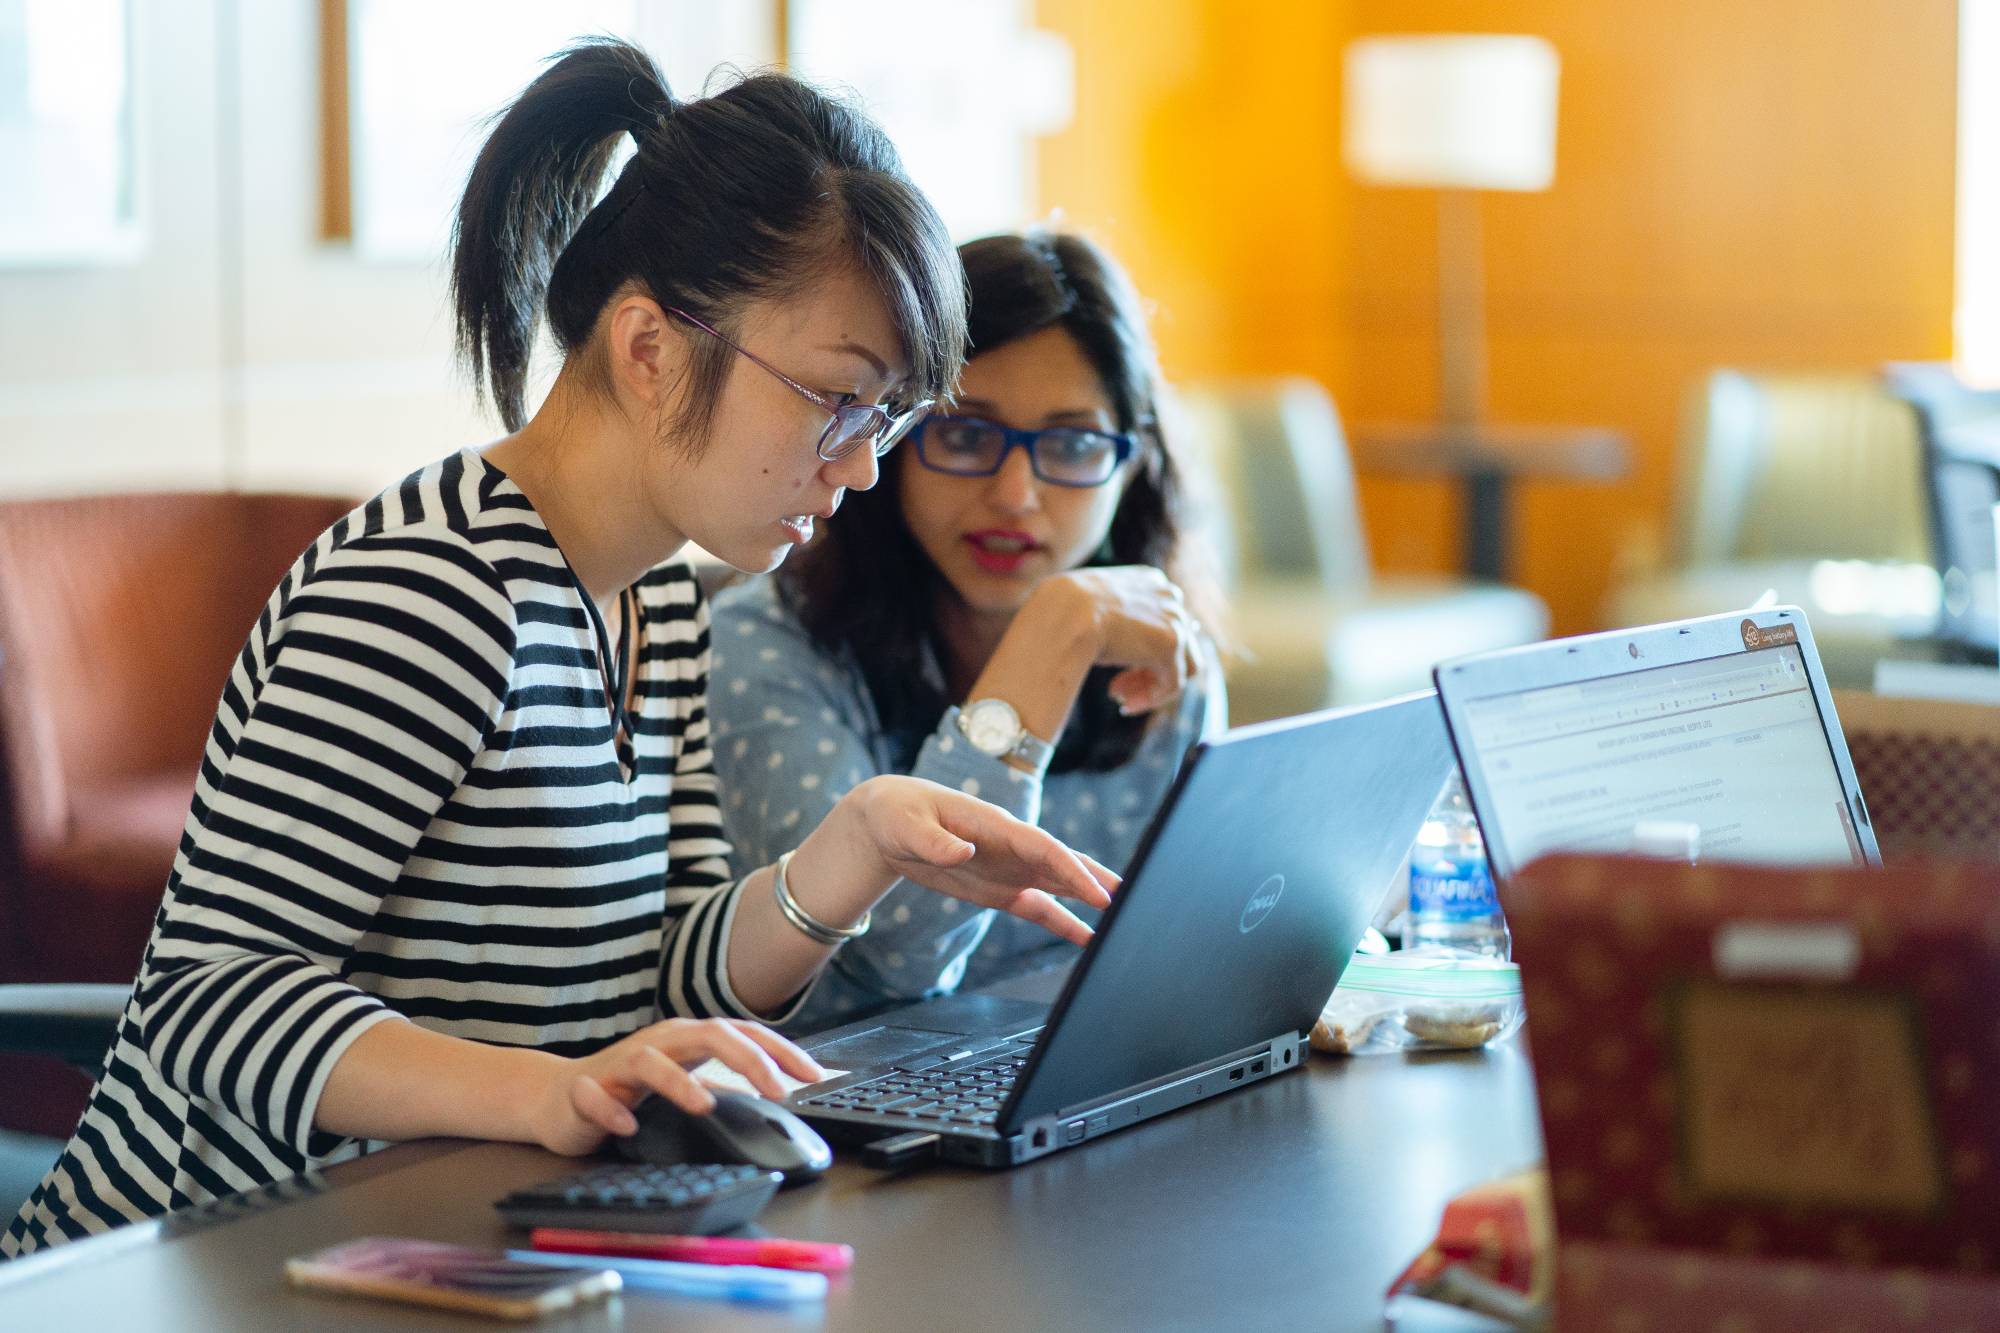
(1060,456)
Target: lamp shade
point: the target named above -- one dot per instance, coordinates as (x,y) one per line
(1470,112)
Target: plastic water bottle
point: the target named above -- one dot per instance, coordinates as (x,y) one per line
(1453,905)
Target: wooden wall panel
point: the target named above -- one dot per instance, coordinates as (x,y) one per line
(1762,185)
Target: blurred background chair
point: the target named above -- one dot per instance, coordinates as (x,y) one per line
(1808,485)
(119,619)
(72,1025)
(1928,770)
(1316,627)
(1960,429)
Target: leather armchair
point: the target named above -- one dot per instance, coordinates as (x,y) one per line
(120,617)
(1808,485)
(1317,627)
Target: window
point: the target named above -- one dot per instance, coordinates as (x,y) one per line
(66,153)
(423,76)
(963,88)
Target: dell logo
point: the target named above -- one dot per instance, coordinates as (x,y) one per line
(1261,903)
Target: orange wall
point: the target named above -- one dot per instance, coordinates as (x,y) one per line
(1760,185)
(1204,152)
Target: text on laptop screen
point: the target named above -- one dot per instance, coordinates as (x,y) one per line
(1733,745)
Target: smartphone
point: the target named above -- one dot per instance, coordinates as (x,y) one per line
(423,1272)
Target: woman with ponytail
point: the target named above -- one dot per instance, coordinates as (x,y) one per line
(454,863)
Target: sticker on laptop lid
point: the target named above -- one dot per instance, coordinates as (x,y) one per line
(1771,636)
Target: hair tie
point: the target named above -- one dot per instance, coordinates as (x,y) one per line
(653,108)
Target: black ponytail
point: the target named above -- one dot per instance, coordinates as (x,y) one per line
(746,195)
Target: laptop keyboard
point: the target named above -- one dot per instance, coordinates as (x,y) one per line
(967,1091)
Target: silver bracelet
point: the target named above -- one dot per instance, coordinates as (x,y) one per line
(809,925)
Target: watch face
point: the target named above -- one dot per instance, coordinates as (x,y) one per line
(991,726)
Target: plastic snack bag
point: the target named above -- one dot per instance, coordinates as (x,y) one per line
(1420,1002)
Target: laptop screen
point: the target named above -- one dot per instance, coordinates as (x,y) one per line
(1732,744)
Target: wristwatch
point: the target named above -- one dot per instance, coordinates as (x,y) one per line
(993,727)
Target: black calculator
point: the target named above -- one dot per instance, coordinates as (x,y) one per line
(686,1199)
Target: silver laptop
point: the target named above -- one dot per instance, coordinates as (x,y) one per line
(1724,723)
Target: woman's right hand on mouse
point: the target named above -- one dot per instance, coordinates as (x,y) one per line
(591,1096)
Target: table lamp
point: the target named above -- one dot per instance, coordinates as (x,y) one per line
(1457,114)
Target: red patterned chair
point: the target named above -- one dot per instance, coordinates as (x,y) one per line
(1930,772)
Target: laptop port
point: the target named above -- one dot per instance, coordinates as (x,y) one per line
(1257,1068)
(1235,1076)
(1041,1138)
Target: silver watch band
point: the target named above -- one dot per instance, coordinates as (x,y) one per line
(1032,749)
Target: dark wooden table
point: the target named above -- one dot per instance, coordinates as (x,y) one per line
(1288,1205)
(1485,461)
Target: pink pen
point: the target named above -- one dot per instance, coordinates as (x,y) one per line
(764,1252)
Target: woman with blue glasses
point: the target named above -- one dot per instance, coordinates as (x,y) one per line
(1003,615)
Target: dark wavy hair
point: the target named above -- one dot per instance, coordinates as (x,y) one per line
(865,591)
(746,195)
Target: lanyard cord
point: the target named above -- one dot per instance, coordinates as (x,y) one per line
(618,675)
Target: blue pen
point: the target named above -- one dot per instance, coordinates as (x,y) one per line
(737,1282)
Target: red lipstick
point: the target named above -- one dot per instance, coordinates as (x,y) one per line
(1000,550)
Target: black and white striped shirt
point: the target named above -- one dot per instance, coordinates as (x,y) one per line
(411,804)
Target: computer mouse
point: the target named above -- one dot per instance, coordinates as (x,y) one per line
(741,1128)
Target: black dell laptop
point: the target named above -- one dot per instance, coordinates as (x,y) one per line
(1238,914)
